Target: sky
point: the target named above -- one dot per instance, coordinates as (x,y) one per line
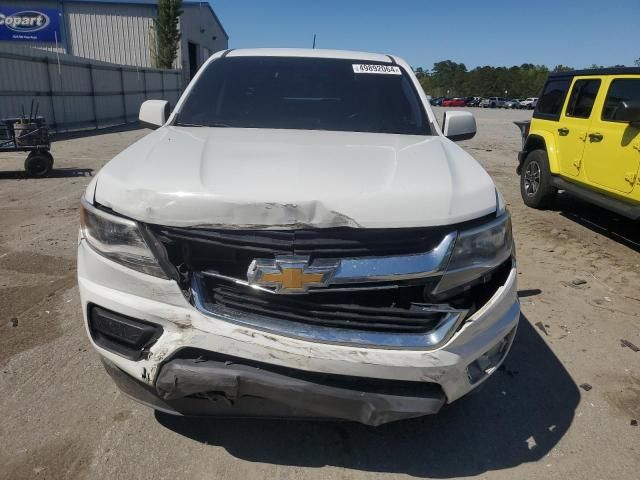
(576,33)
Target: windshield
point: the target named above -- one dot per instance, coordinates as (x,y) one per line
(305,93)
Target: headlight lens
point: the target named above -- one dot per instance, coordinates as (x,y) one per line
(478,251)
(119,239)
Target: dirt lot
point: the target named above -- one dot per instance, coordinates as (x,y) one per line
(62,417)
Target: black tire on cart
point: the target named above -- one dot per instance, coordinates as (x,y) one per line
(38,164)
(535,181)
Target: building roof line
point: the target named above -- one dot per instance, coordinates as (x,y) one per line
(215,16)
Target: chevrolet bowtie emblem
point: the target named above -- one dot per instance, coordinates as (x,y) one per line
(289,274)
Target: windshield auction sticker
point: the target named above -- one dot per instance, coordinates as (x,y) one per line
(380,69)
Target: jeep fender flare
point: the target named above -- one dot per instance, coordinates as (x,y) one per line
(541,140)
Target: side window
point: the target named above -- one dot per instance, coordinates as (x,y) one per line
(552,98)
(621,90)
(582,98)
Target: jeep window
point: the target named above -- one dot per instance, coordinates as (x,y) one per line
(583,96)
(552,98)
(621,90)
(306,94)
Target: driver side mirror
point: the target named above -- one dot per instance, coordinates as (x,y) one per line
(459,125)
(629,112)
(154,113)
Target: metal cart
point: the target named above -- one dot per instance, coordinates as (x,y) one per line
(20,134)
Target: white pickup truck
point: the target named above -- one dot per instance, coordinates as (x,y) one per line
(299,237)
(493,102)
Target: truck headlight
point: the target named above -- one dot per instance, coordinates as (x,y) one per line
(118,239)
(477,251)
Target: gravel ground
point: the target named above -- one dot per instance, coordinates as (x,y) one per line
(62,417)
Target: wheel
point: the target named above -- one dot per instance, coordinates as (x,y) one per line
(38,164)
(535,180)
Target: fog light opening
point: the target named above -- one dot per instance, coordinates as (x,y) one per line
(125,336)
(487,363)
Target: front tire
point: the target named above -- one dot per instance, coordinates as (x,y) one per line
(535,181)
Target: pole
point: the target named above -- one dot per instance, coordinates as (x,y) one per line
(314,40)
(50,85)
(124,96)
(93,96)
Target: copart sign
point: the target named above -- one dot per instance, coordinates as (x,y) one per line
(29,24)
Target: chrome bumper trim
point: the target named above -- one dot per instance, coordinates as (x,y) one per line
(395,268)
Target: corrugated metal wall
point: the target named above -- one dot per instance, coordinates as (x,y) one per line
(110,33)
(75,93)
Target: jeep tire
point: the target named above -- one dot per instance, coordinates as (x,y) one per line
(535,180)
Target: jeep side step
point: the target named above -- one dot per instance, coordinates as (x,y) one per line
(626,209)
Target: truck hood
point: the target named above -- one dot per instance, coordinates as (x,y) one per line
(260,178)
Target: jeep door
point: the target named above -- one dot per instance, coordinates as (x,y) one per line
(612,150)
(548,112)
(574,123)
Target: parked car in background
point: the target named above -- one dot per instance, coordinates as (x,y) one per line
(584,138)
(454,102)
(493,102)
(473,101)
(437,101)
(513,103)
(332,254)
(529,104)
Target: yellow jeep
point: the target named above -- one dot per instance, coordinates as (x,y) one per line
(584,138)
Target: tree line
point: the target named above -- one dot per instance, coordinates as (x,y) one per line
(451,79)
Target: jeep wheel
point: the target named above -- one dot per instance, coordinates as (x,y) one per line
(535,181)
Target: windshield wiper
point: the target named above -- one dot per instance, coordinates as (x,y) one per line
(214,124)
(183,124)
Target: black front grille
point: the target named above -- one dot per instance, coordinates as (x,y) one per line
(319,243)
(397,308)
(230,252)
(389,310)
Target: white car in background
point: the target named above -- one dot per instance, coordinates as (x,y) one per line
(530,103)
(299,237)
(513,103)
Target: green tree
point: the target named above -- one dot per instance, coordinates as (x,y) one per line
(637,62)
(562,68)
(448,78)
(452,79)
(166,34)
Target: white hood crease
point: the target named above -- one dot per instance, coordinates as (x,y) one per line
(286,179)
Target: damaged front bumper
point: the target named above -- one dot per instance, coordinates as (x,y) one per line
(203,365)
(203,387)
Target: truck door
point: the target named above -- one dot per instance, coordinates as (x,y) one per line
(612,149)
(571,134)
